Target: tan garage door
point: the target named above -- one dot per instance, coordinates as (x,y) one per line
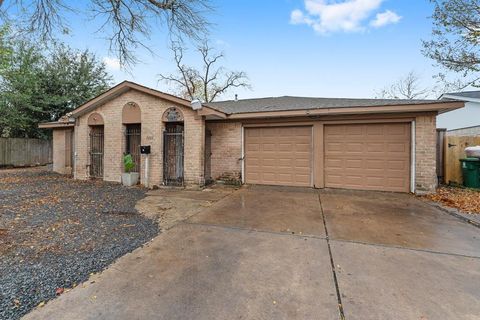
(278,156)
(368,156)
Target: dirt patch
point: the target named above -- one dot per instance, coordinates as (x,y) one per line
(465,200)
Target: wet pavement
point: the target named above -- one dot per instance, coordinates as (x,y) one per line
(274,209)
(263,253)
(396,219)
(391,283)
(199,272)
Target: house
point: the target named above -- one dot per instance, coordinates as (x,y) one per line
(465,121)
(367,144)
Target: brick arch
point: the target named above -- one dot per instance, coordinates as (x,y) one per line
(131,113)
(172,114)
(95,119)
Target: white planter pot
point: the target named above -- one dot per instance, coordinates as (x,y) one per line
(130,179)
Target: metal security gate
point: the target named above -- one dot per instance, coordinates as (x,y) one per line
(173,155)
(133,140)
(96,151)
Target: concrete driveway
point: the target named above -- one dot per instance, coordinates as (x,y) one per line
(286,253)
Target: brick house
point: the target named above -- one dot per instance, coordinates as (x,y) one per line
(367,144)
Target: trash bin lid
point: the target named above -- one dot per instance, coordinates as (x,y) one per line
(470,159)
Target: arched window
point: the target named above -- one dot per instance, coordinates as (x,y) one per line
(131,113)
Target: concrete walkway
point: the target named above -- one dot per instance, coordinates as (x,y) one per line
(286,253)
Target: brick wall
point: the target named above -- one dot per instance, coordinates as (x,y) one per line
(152,109)
(226,150)
(425,145)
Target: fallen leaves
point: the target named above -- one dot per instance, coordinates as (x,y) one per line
(465,200)
(16,303)
(53,221)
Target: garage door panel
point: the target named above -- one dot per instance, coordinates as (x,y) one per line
(374,130)
(374,164)
(354,163)
(303,148)
(303,179)
(282,156)
(374,147)
(332,164)
(354,147)
(400,165)
(368,156)
(333,146)
(397,147)
(302,164)
(353,131)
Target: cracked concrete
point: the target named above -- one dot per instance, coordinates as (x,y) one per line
(262,253)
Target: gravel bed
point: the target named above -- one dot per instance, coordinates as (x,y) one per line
(55,231)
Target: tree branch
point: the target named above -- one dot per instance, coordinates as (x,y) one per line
(209,84)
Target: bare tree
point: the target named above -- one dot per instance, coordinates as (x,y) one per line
(208,83)
(127,23)
(407,87)
(455,39)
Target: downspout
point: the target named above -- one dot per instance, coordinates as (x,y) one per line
(413,156)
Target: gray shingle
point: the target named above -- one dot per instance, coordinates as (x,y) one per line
(304,103)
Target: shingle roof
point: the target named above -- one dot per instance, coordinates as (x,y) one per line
(465,94)
(286,103)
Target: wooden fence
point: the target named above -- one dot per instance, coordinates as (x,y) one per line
(454,150)
(19,152)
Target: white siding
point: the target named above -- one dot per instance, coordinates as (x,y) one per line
(468,116)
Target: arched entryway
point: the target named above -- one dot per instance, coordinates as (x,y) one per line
(96,145)
(173,147)
(132,119)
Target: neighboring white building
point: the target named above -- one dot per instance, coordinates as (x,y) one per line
(464,119)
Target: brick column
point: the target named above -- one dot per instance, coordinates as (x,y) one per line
(425,157)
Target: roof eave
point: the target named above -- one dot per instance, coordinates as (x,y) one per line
(434,107)
(55,125)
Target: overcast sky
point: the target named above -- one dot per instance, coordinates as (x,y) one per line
(317,48)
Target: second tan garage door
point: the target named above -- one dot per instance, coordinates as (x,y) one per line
(368,156)
(279,156)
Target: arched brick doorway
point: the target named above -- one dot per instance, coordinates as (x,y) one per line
(96,145)
(173,147)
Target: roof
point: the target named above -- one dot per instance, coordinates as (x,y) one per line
(288,103)
(267,107)
(121,88)
(473,96)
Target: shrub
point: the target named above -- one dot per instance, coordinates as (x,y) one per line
(128,162)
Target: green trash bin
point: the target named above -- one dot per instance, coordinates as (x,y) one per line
(471,172)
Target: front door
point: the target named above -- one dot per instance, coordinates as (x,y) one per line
(173,154)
